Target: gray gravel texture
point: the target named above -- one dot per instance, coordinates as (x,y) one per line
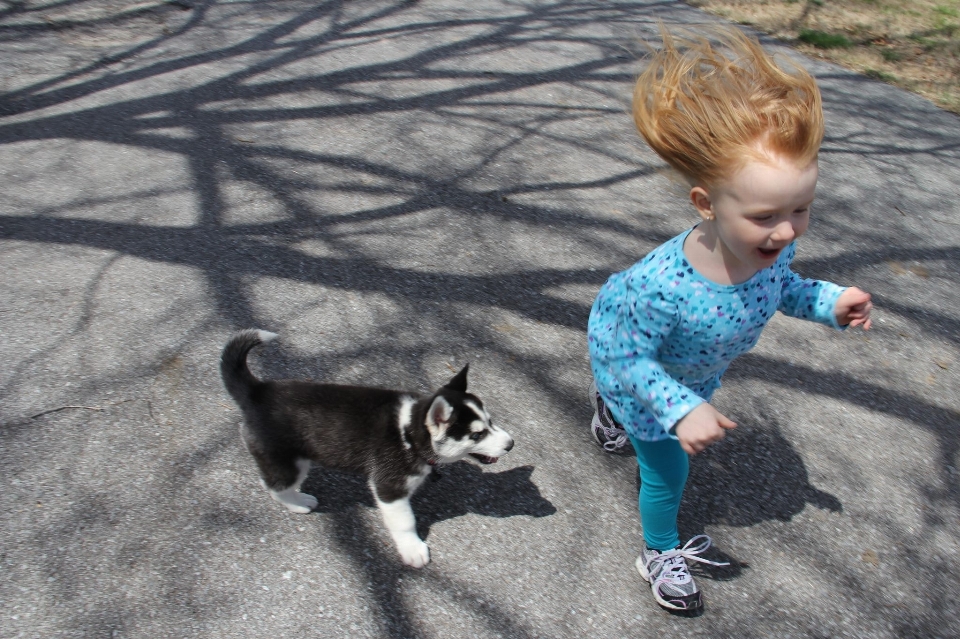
(399,188)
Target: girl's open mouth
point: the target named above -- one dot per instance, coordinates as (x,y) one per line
(768,253)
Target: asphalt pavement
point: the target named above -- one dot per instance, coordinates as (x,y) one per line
(398,188)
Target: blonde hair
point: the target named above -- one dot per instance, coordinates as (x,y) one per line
(707,110)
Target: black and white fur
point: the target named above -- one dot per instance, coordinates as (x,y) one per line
(394,438)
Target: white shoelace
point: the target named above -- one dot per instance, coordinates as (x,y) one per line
(613,445)
(674,569)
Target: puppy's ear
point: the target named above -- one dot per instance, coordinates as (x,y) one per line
(439,416)
(459,381)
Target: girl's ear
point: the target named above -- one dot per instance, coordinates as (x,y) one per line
(700,198)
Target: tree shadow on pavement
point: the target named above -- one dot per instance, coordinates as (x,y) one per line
(380,568)
(245,116)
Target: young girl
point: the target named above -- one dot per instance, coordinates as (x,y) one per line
(744,133)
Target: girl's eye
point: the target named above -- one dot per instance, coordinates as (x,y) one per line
(802,211)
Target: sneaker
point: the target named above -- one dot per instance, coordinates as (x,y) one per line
(669,577)
(604,427)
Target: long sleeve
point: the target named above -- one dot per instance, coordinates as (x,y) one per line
(809,299)
(644,321)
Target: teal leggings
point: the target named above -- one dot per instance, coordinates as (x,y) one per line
(664,467)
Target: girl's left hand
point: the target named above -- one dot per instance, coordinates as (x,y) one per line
(853,308)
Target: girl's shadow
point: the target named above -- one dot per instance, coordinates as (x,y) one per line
(751,476)
(458,489)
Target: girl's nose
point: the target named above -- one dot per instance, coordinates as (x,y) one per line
(784,232)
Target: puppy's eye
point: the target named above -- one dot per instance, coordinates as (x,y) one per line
(478,436)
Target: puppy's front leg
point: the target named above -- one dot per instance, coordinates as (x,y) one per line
(398,516)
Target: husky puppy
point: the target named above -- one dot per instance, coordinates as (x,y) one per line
(394,438)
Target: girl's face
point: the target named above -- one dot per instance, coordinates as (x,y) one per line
(758,211)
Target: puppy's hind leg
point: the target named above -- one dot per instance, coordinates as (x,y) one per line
(398,516)
(291,497)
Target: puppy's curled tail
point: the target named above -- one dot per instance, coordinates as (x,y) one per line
(233,362)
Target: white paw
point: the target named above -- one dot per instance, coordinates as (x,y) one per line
(414,552)
(306,504)
(296,502)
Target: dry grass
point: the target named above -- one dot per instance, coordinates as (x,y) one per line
(913,44)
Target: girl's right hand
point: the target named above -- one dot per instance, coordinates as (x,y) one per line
(701,427)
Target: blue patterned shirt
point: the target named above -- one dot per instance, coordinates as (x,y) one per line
(661,335)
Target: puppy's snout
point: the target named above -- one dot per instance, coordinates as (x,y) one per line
(509,446)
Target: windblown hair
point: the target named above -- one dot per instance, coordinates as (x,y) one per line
(707,109)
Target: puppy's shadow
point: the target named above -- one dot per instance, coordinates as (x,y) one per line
(464,488)
(456,490)
(753,475)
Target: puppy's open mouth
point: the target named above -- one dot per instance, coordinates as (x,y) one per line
(483,459)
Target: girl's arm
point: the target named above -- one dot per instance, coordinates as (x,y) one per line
(853,308)
(809,299)
(627,355)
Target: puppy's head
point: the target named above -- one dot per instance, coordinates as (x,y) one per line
(460,426)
